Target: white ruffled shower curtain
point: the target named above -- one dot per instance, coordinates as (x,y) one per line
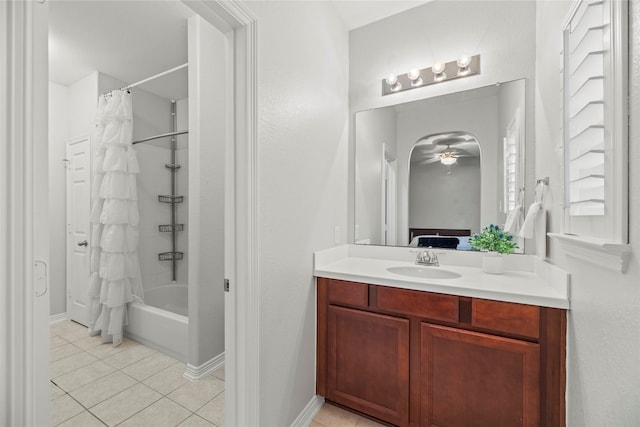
(115,269)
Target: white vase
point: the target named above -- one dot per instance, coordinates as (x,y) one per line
(493,263)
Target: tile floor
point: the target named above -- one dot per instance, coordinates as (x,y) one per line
(332,416)
(95,384)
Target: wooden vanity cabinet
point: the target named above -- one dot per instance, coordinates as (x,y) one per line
(474,379)
(421,359)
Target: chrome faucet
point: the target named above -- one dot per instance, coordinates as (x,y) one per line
(427,257)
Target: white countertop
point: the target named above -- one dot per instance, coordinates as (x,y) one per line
(544,285)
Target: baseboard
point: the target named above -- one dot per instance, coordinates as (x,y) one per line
(57,318)
(194,373)
(306,416)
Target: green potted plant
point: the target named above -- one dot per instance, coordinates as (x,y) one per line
(495,243)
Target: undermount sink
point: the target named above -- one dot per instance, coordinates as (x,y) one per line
(424,272)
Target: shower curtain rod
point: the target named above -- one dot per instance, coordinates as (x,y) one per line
(164,73)
(162,135)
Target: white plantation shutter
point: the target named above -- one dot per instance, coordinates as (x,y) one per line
(584,41)
(595,119)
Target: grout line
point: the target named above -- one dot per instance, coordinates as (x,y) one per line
(87,410)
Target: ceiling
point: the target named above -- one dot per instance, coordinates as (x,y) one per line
(132,40)
(358,13)
(127,40)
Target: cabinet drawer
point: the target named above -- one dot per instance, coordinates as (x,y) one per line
(519,319)
(418,303)
(350,293)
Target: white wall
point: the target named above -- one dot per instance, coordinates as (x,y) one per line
(604,320)
(375,128)
(302,172)
(182,188)
(58,99)
(207,139)
(83,103)
(445,196)
(502,32)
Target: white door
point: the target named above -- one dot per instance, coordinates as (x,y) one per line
(78,228)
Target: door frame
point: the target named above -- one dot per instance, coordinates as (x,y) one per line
(23,91)
(24,245)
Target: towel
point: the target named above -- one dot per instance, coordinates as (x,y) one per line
(514,220)
(529,224)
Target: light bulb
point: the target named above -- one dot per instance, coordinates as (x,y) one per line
(396,87)
(414,74)
(438,68)
(463,65)
(440,77)
(391,79)
(464,61)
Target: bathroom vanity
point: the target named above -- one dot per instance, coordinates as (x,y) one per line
(411,351)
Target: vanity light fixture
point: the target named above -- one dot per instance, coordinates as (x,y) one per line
(464,66)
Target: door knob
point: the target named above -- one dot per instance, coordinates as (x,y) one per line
(83,243)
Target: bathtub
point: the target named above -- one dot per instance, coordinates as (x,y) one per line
(161,322)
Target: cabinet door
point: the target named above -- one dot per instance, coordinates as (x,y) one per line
(368,363)
(472,379)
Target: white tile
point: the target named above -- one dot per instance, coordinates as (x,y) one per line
(72,331)
(102,389)
(129,356)
(214,410)
(83,376)
(88,342)
(149,366)
(164,412)
(365,422)
(330,415)
(63,408)
(194,395)
(55,341)
(103,351)
(169,379)
(61,328)
(124,404)
(62,351)
(219,373)
(195,421)
(71,363)
(55,391)
(84,419)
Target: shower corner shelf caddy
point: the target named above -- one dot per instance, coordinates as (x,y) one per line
(172,198)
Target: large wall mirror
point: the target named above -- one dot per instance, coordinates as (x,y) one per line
(433,172)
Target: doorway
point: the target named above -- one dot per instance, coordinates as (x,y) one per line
(192,166)
(29,404)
